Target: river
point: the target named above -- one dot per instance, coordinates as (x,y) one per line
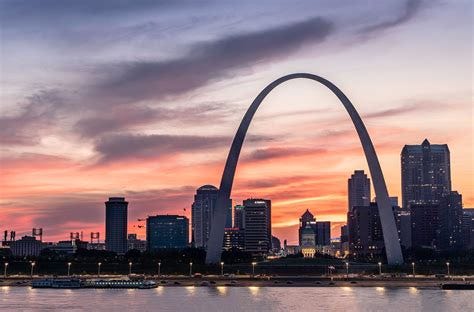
(229,299)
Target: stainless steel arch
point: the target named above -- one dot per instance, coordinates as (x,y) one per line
(392,244)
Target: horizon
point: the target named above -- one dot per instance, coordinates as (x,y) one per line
(142,102)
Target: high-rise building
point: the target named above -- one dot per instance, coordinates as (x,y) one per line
(276,244)
(424,225)
(116,210)
(323,233)
(426,173)
(167,231)
(403,222)
(468,228)
(239,216)
(202,211)
(450,233)
(358,186)
(365,231)
(307,219)
(233,239)
(257,226)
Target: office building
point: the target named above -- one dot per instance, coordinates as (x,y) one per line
(450,234)
(239,216)
(257,226)
(426,173)
(202,211)
(233,239)
(167,231)
(276,244)
(134,243)
(424,225)
(116,211)
(365,232)
(468,228)
(323,233)
(358,189)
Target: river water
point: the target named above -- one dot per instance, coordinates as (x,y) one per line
(237,299)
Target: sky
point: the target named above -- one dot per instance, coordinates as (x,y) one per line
(142,98)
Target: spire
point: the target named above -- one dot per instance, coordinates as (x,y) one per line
(425,142)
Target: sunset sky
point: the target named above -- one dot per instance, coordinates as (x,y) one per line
(141,99)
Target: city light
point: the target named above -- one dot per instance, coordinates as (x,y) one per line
(5,270)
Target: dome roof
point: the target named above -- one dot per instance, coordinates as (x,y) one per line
(207,187)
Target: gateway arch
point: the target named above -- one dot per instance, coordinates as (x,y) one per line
(390,234)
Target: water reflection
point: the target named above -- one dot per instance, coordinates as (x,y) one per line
(191,289)
(380,289)
(222,290)
(254,290)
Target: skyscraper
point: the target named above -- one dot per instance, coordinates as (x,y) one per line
(424,225)
(323,233)
(202,211)
(365,231)
(239,216)
(257,225)
(358,187)
(426,173)
(450,233)
(167,231)
(116,210)
(233,239)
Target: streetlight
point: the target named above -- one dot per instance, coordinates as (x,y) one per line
(413,268)
(159,269)
(347,270)
(380,268)
(98,268)
(447,265)
(222,268)
(130,268)
(253,268)
(32,266)
(5,270)
(68,268)
(190,269)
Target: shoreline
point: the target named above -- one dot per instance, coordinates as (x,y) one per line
(279,281)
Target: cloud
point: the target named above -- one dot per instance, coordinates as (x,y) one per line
(128,117)
(422,106)
(114,147)
(410,9)
(35,116)
(281,152)
(209,61)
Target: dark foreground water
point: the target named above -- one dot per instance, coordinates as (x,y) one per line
(237,299)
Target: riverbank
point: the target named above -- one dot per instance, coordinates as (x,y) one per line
(275,281)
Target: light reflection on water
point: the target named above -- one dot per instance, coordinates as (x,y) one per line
(235,299)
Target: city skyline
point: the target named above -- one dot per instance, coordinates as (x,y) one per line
(63,154)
